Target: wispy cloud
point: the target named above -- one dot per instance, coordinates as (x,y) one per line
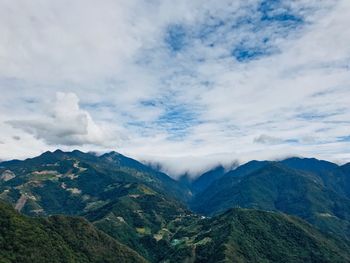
(189,84)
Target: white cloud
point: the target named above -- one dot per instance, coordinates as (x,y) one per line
(267,139)
(189,108)
(64,123)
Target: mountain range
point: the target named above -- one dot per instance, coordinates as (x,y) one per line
(317,191)
(111,208)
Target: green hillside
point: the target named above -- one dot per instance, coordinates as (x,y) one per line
(142,219)
(146,211)
(56,239)
(74,182)
(278,188)
(245,235)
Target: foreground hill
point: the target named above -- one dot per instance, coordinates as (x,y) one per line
(245,235)
(283,186)
(239,235)
(142,219)
(56,239)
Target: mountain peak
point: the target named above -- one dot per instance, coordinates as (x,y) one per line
(112,154)
(309,164)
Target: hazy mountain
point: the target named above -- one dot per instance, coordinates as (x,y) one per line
(310,165)
(203,181)
(344,179)
(333,176)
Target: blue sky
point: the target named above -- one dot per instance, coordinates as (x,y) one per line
(187,84)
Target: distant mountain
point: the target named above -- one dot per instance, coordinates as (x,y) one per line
(344,179)
(201,182)
(244,235)
(186,181)
(345,167)
(223,185)
(310,165)
(274,186)
(56,239)
(204,180)
(333,176)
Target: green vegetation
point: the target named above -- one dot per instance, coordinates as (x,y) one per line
(72,182)
(56,239)
(275,187)
(140,218)
(145,210)
(245,235)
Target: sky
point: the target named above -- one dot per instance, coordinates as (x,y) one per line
(186,85)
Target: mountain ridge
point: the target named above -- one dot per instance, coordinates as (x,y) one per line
(148,211)
(278,187)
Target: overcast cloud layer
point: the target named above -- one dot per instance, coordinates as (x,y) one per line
(188,84)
